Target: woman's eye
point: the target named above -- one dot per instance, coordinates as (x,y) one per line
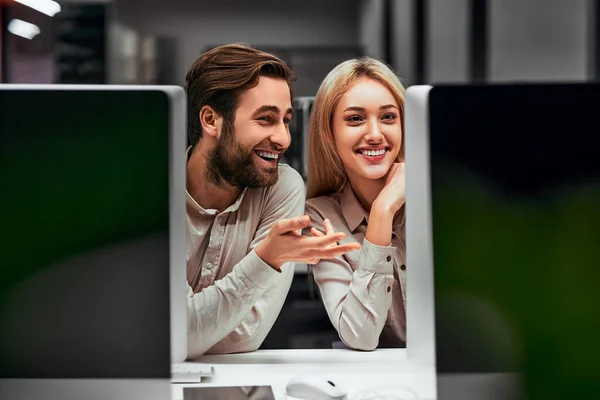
(389,117)
(354,118)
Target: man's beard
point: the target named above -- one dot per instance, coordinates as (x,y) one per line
(234,165)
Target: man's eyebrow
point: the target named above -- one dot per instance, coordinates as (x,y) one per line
(270,108)
(266,108)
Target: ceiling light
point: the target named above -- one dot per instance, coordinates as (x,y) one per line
(23,29)
(48,7)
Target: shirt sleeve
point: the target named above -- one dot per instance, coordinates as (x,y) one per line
(236,313)
(357,301)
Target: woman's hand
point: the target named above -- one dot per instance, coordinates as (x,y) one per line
(391,199)
(393,195)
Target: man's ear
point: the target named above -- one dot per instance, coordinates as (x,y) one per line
(210,121)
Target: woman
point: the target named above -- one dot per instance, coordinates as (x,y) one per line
(356,185)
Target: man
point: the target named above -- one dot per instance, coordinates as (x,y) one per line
(244,211)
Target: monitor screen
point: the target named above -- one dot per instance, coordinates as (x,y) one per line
(85,250)
(515,186)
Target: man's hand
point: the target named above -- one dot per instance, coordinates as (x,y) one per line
(328,231)
(285,243)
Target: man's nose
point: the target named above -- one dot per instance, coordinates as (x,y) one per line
(281,136)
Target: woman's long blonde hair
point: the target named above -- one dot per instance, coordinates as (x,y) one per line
(326,173)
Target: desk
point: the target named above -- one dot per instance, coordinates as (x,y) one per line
(355,371)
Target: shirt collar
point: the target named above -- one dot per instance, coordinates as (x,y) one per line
(197,207)
(352,210)
(355,214)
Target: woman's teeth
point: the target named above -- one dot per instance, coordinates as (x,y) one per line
(373,153)
(265,154)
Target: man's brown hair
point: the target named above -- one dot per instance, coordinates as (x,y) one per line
(220,75)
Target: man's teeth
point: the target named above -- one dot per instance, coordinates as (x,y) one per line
(266,154)
(373,153)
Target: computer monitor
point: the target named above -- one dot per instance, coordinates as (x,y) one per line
(509,192)
(92,282)
(297,154)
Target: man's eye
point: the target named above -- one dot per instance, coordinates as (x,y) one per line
(265,118)
(286,120)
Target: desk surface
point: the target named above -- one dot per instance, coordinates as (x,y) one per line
(303,356)
(387,370)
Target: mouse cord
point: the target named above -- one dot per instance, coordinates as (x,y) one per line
(385,393)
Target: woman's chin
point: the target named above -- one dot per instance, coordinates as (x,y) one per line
(375,173)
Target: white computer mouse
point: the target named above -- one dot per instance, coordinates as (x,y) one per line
(314,387)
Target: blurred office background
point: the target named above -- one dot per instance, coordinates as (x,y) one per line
(425,41)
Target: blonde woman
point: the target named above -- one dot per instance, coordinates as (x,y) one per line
(356,186)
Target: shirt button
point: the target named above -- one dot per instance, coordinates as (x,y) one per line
(209,265)
(403,267)
(389,289)
(389,258)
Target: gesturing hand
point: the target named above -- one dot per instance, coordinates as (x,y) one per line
(329,231)
(284,243)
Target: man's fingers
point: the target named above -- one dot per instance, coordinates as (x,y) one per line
(328,226)
(284,226)
(316,232)
(324,241)
(338,250)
